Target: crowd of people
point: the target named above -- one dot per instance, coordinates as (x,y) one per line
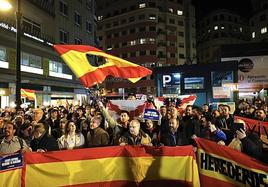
(60,128)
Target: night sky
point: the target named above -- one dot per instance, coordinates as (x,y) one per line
(241,7)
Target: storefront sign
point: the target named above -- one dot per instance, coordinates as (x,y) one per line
(4,92)
(221,92)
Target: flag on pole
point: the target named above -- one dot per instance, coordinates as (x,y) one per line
(79,59)
(30,94)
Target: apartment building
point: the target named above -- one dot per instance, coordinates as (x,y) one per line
(44,23)
(151,33)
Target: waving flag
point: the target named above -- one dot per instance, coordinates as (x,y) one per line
(30,94)
(79,60)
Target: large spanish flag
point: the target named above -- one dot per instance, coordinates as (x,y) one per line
(115,166)
(79,59)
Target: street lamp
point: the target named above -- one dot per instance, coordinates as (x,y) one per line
(5,5)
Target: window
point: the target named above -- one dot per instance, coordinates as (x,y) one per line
(180,12)
(172,55)
(123,33)
(132,54)
(151,28)
(124,55)
(142,5)
(124,44)
(152,40)
(262,17)
(31,27)
(31,60)
(142,53)
(123,21)
(132,30)
(100,18)
(131,19)
(216,27)
(152,17)
(55,66)
(107,25)
(153,53)
(141,17)
(181,56)
(221,17)
(88,26)
(133,42)
(116,35)
(77,18)
(172,21)
(142,41)
(263,30)
(253,35)
(194,83)
(181,34)
(77,41)
(63,8)
(116,23)
(3,54)
(170,10)
(181,45)
(64,37)
(142,29)
(180,23)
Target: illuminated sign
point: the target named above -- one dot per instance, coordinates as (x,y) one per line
(172,79)
(13,29)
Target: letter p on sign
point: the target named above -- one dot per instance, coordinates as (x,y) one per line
(166,79)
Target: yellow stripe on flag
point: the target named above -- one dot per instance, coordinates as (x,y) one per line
(72,58)
(111,169)
(10,178)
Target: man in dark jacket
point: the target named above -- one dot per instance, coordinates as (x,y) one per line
(175,136)
(42,142)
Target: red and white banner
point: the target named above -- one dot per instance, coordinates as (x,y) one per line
(259,127)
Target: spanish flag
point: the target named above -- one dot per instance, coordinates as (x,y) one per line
(80,61)
(30,94)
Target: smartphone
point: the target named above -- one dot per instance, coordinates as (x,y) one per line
(238,126)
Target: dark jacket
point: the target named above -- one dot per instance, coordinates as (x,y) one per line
(47,143)
(97,137)
(252,146)
(178,138)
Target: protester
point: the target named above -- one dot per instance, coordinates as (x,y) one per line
(96,135)
(175,136)
(72,139)
(135,136)
(246,142)
(42,142)
(119,128)
(11,143)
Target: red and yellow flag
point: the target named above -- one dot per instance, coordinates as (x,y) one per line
(30,94)
(77,57)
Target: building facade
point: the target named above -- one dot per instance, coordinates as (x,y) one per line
(151,33)
(218,28)
(259,22)
(44,23)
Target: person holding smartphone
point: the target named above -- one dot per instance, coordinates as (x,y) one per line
(246,142)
